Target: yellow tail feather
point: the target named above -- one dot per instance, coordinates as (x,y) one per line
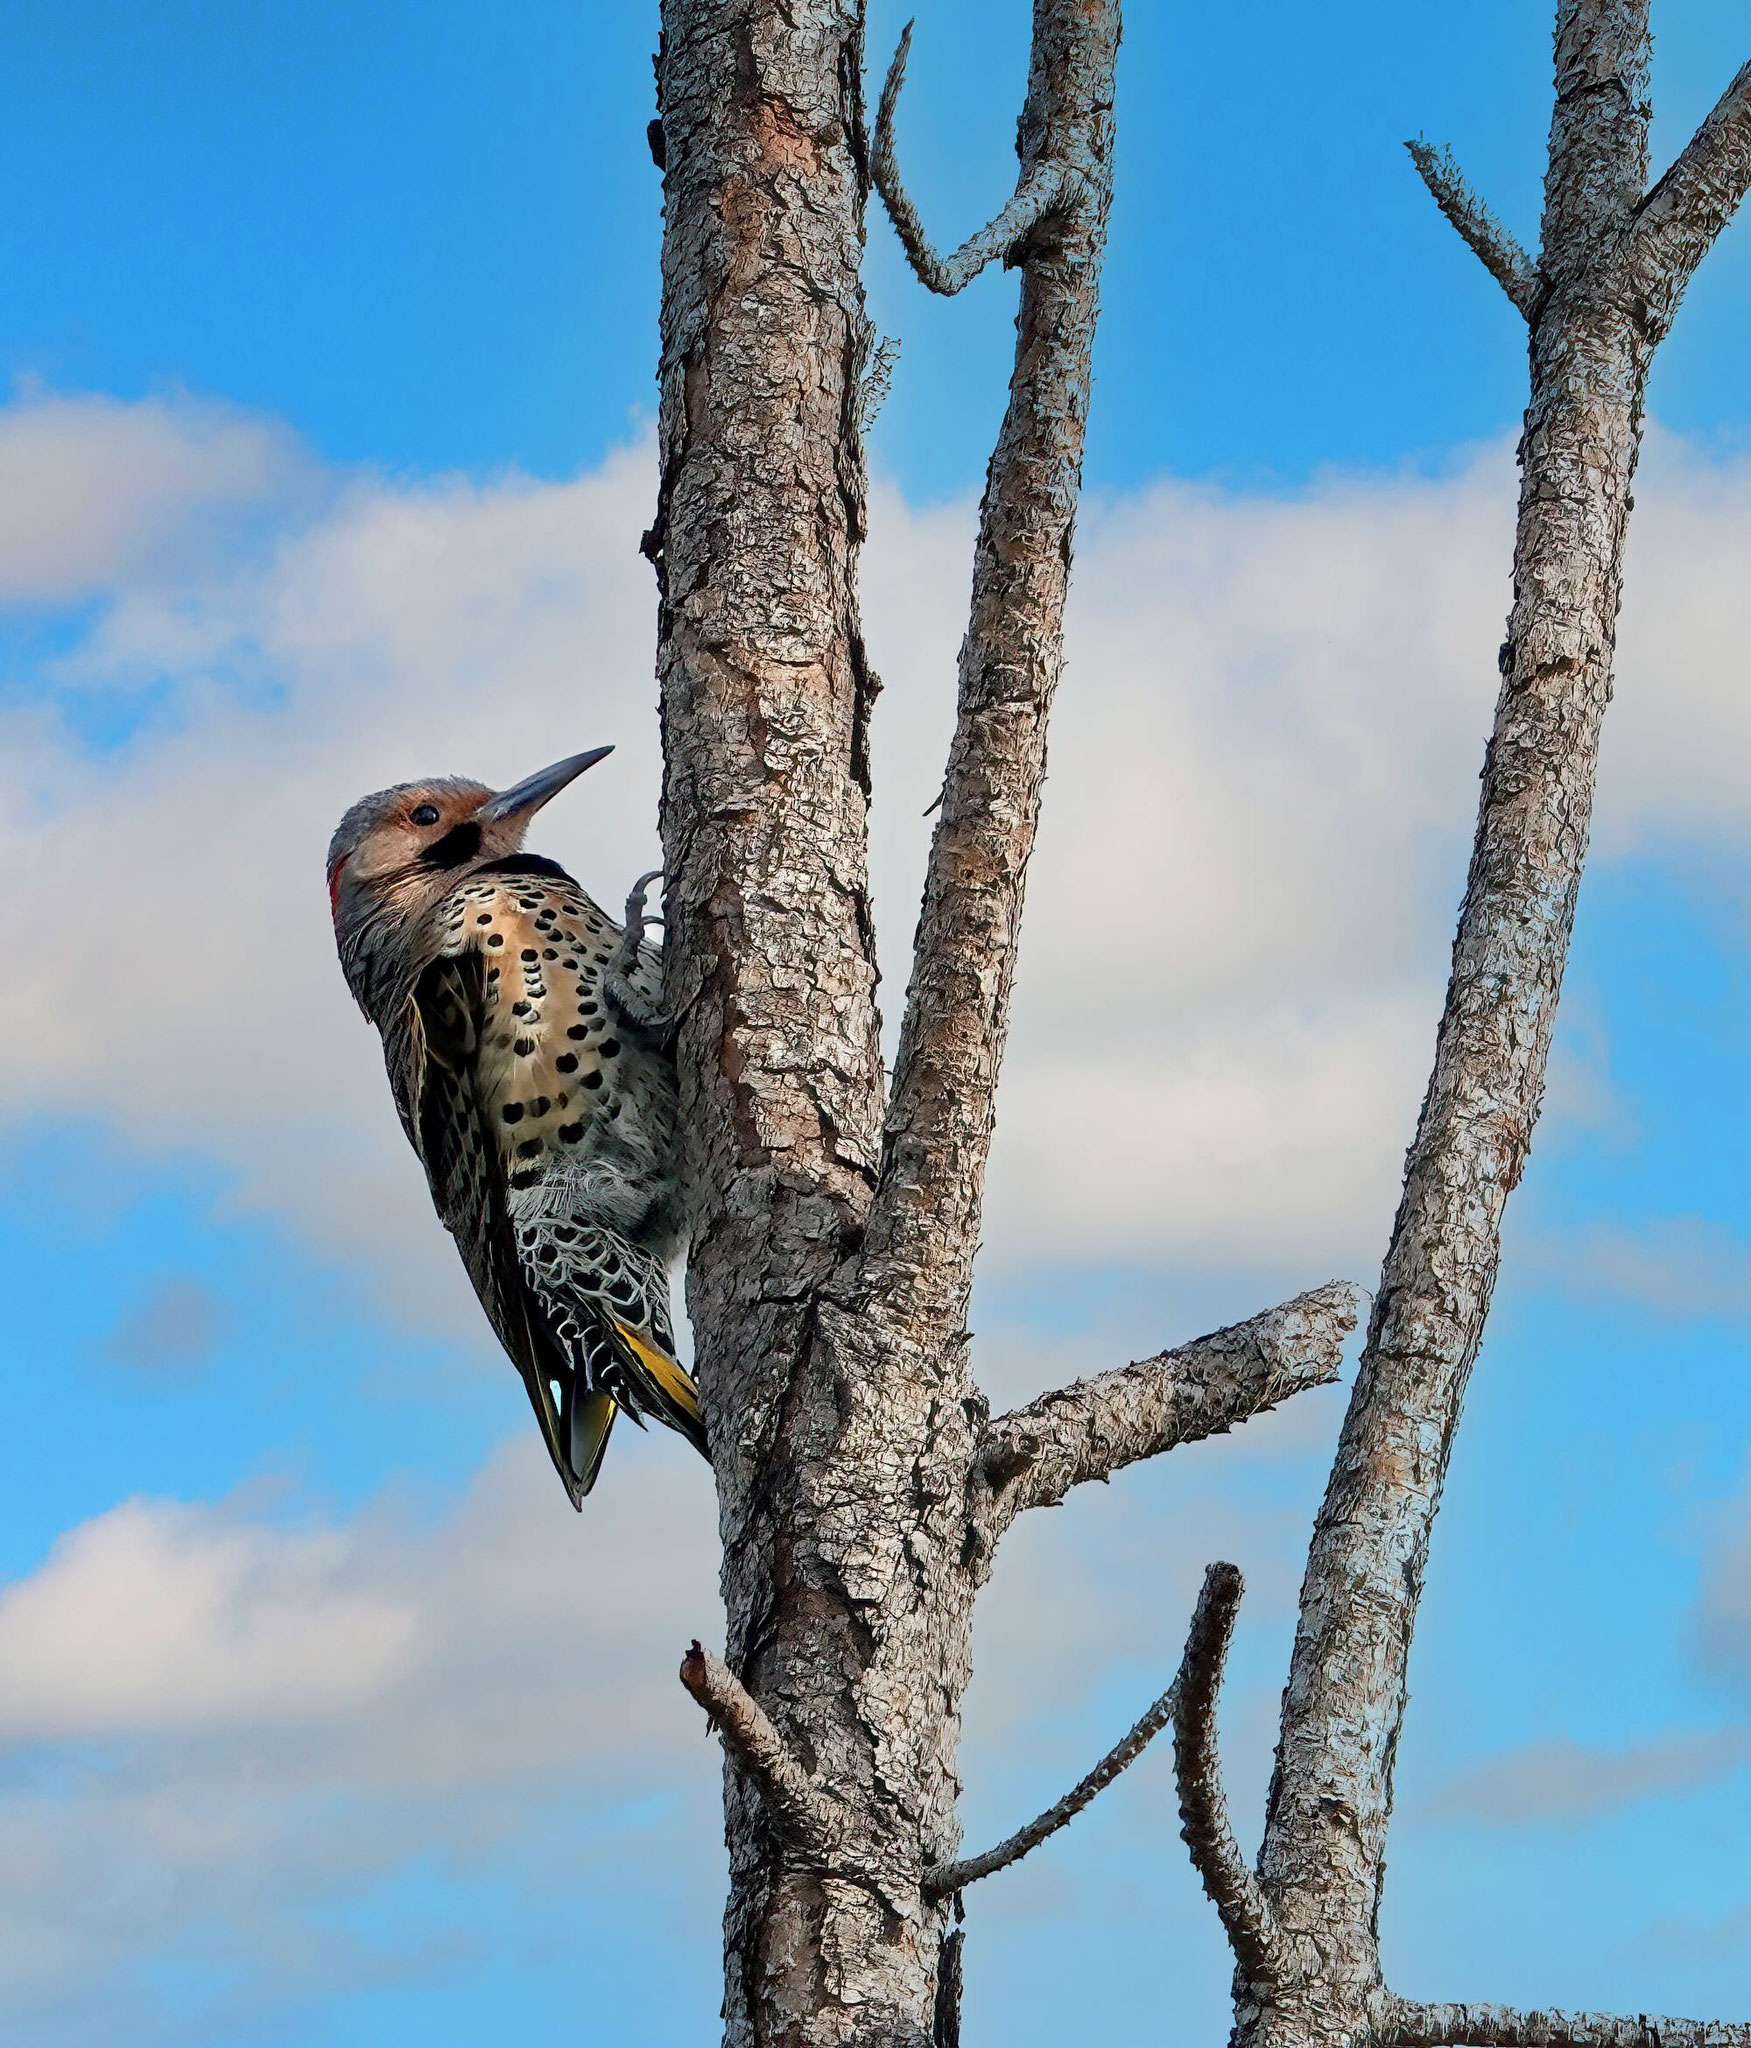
(674,1379)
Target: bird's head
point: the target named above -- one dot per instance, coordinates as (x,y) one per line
(395,853)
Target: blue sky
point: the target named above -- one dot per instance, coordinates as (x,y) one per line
(330,334)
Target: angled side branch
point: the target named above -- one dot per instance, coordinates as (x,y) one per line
(1689,206)
(1033,1456)
(1042,190)
(798,1806)
(923,1227)
(1406,2024)
(1233,1889)
(947,1878)
(1480,230)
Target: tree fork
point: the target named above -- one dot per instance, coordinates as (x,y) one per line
(861,1484)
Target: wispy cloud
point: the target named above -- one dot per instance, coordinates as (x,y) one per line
(97,495)
(1675,1265)
(1568,1783)
(173,1327)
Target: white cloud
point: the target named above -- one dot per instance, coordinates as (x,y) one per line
(391,1632)
(1676,762)
(220,1731)
(1263,781)
(95,493)
(1677,1265)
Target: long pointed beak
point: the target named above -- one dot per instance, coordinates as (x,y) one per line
(524,798)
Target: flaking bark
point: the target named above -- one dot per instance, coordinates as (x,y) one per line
(1033,1456)
(1613,263)
(1408,2025)
(833,1239)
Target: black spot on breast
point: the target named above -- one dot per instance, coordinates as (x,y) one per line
(547,953)
(529,953)
(570,1133)
(523,1048)
(522,1009)
(529,1149)
(609,1048)
(512,1112)
(540,1106)
(591,1080)
(577,1031)
(496,939)
(526,1178)
(567,1063)
(485,917)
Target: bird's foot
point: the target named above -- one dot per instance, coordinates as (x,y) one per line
(633,935)
(633,1005)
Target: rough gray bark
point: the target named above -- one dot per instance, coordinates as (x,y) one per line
(1613,263)
(860,1485)
(1033,1456)
(1497,2026)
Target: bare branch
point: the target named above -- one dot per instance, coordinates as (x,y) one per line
(1246,1916)
(797,1804)
(923,1229)
(1038,194)
(1033,1456)
(1684,212)
(945,1878)
(1405,2024)
(1478,227)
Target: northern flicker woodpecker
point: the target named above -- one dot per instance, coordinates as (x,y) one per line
(531,1067)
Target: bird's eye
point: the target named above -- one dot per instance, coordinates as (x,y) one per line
(427,814)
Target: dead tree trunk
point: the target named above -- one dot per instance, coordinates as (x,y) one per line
(862,1484)
(1615,259)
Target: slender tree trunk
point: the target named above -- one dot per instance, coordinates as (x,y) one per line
(1613,264)
(1325,1836)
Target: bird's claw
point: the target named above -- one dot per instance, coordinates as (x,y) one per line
(635,913)
(634,1007)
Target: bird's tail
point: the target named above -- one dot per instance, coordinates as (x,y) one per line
(575,1422)
(674,1396)
(592,1418)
